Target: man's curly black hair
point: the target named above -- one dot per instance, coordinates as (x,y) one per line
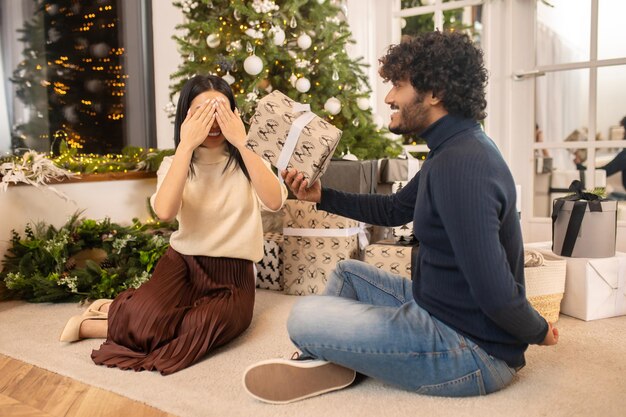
(446,63)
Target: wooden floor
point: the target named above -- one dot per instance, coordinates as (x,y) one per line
(26,390)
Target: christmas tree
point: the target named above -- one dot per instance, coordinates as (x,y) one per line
(295,46)
(71,78)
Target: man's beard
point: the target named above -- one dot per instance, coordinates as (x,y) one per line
(413,118)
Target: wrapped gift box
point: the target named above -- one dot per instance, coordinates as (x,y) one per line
(391,257)
(315,240)
(269,270)
(288,135)
(595,288)
(392,170)
(351,176)
(583,228)
(404,233)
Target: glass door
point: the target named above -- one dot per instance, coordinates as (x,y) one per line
(579,103)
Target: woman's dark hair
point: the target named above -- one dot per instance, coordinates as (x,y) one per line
(446,63)
(193,88)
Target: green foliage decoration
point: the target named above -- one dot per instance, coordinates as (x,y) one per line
(47,264)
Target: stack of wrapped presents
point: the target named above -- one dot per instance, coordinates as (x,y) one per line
(582,257)
(301,254)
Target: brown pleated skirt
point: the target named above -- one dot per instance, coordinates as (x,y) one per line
(191,305)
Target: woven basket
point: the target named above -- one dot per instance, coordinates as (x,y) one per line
(545,285)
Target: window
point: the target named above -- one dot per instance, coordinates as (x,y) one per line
(80,72)
(579,90)
(417,16)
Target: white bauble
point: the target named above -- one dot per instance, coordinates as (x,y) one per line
(402,23)
(228,78)
(304,41)
(279,37)
(52,9)
(93,86)
(213,40)
(332,106)
(363,103)
(321,1)
(100,50)
(303,85)
(253,65)
(69,112)
(54,35)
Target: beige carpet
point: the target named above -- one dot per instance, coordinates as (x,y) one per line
(585,375)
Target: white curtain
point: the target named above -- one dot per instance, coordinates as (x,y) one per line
(5,127)
(561,98)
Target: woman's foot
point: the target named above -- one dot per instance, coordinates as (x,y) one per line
(84,326)
(99,306)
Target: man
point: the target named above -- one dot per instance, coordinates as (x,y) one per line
(462,326)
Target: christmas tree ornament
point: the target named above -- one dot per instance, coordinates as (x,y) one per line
(279,36)
(304,41)
(344,9)
(321,1)
(54,35)
(333,106)
(264,6)
(303,85)
(213,40)
(93,86)
(402,23)
(262,84)
(234,46)
(348,156)
(52,9)
(228,78)
(253,65)
(99,50)
(335,76)
(191,57)
(293,79)
(237,15)
(69,112)
(363,103)
(355,122)
(293,23)
(254,33)
(249,48)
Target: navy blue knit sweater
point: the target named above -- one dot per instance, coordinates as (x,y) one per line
(469,270)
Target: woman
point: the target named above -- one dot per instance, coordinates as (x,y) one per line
(201,294)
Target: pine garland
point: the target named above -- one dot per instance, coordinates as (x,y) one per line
(84,259)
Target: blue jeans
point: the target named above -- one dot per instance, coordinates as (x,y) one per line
(367,320)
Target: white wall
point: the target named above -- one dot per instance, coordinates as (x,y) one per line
(5,128)
(165,17)
(120,200)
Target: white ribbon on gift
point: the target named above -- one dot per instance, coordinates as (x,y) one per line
(293,135)
(350,231)
(413,167)
(412,163)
